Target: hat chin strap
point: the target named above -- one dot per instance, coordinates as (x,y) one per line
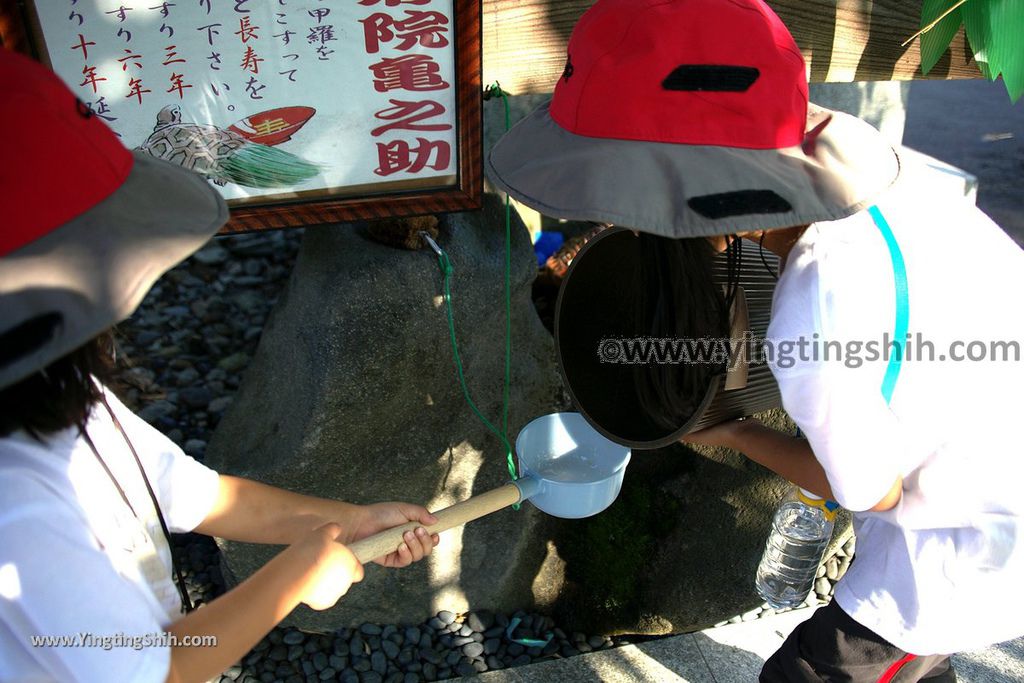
(810,143)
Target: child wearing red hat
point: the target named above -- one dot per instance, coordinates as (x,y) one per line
(684,119)
(90,491)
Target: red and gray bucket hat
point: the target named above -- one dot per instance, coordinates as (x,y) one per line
(689,118)
(88,225)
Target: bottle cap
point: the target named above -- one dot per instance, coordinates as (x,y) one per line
(810,495)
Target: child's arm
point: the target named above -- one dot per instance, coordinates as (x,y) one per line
(788,456)
(252,512)
(317,570)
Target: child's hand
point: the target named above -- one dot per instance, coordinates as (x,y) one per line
(334,567)
(369,519)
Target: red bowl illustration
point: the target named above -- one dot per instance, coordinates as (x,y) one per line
(274,126)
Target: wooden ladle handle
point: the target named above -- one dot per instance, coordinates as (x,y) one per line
(387,541)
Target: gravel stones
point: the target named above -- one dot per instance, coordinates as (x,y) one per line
(212,255)
(219,405)
(186,327)
(153,412)
(293,638)
(195,447)
(357,647)
(234,363)
(832,569)
(472,650)
(195,397)
(390,649)
(480,621)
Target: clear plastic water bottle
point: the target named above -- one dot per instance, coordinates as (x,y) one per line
(800,533)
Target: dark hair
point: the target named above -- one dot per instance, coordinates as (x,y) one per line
(679,298)
(62,394)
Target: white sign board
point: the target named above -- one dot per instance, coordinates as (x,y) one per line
(270,99)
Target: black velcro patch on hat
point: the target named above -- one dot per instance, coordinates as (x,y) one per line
(711,78)
(740,203)
(28,336)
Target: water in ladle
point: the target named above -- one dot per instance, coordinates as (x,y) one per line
(577,466)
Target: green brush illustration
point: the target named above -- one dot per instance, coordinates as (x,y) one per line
(224,156)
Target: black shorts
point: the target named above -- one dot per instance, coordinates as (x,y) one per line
(831,646)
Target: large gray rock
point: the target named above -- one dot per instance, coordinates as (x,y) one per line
(352,394)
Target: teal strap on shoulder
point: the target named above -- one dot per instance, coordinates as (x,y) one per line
(899,272)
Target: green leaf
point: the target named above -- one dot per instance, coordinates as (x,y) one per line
(975,15)
(935,41)
(1006,46)
(995,30)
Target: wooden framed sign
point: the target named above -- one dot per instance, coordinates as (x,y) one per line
(299,111)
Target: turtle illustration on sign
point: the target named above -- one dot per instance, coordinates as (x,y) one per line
(242,154)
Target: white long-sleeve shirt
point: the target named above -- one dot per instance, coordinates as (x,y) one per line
(942,571)
(74,560)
